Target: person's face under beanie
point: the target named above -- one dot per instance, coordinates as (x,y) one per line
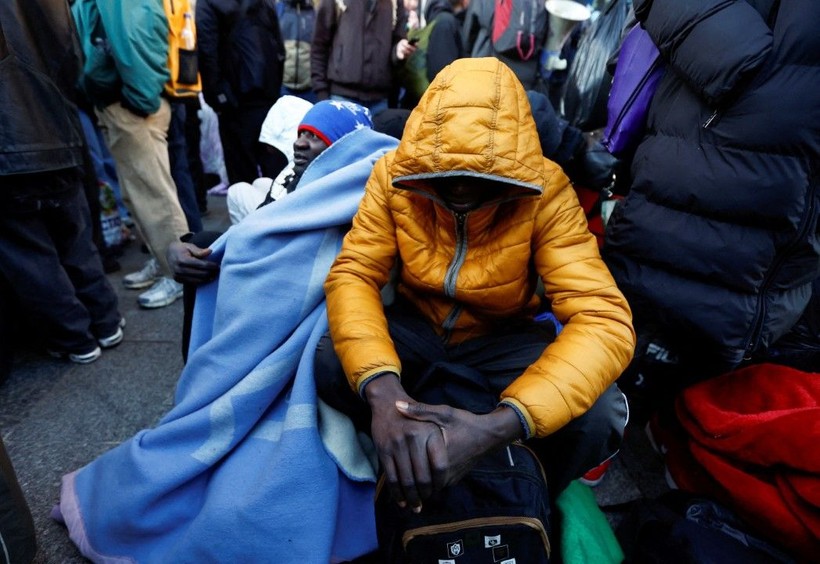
(330,120)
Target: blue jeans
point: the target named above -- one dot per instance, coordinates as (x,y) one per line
(104,166)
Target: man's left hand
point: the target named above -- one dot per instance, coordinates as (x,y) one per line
(467,436)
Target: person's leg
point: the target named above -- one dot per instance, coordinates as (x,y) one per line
(69,228)
(239,130)
(30,264)
(251,119)
(141,152)
(193,138)
(178,159)
(203,240)
(577,447)
(416,343)
(584,442)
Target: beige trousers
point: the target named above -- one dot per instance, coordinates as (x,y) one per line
(140,149)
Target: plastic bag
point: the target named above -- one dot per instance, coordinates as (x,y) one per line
(210,145)
(583,103)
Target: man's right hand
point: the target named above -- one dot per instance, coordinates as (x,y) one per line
(412,453)
(188,265)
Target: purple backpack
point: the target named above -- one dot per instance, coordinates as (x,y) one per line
(637,74)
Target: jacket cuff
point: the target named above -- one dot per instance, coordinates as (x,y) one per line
(526,422)
(362,384)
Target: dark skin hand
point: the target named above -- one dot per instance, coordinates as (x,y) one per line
(423,448)
(188,263)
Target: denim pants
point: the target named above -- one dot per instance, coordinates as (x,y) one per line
(53,268)
(471,375)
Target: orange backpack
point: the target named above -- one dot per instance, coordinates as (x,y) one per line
(182,55)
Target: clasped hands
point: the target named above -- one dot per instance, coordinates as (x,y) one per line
(423,448)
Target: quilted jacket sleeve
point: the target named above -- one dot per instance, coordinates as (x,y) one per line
(597,341)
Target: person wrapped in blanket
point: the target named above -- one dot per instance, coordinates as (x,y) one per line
(244,450)
(468,215)
(322,125)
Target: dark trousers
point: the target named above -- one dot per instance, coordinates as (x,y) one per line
(471,376)
(193,138)
(203,240)
(180,171)
(52,266)
(245,158)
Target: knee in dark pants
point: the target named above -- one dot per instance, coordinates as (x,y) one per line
(584,442)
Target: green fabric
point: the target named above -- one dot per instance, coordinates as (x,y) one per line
(126,51)
(585,532)
(413,73)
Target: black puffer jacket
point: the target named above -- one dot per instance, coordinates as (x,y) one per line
(718,237)
(39,66)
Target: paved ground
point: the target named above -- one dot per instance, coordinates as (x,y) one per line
(56,416)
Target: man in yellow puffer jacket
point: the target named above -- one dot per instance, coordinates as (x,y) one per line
(472,215)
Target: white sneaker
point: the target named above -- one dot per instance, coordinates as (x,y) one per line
(115,339)
(163,293)
(144,278)
(78,358)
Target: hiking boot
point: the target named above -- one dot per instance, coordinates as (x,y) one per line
(115,339)
(597,474)
(144,278)
(163,293)
(78,358)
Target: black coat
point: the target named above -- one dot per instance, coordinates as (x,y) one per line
(718,236)
(354,48)
(241,52)
(39,67)
(445,44)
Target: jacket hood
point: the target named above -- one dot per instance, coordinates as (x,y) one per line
(473,120)
(434,8)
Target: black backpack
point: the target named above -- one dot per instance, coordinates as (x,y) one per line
(519,28)
(498,513)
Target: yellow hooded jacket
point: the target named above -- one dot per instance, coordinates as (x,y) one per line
(468,273)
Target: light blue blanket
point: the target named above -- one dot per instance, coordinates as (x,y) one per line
(237,471)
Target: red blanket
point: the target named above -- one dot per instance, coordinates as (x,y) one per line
(753,436)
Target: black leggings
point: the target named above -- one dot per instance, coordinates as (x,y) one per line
(203,240)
